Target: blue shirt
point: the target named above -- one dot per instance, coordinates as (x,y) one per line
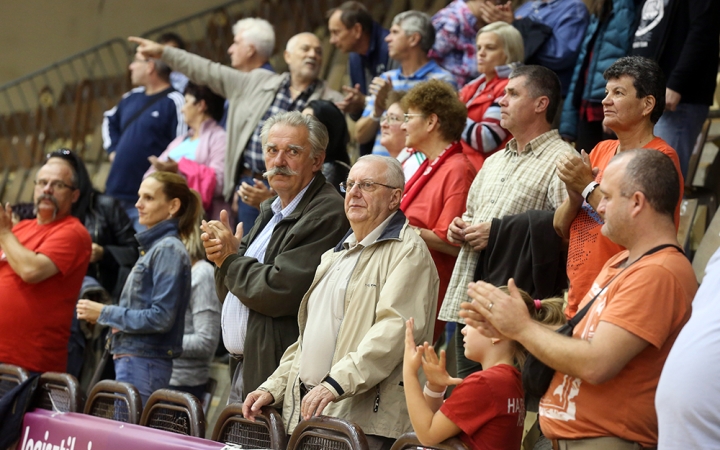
(363,68)
(400,82)
(568,20)
(186,149)
(134,140)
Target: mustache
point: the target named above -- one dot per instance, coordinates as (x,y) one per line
(279,170)
(47,197)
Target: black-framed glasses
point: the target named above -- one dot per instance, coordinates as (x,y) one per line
(365,186)
(408,116)
(54,184)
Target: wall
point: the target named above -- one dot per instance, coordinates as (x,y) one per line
(36,33)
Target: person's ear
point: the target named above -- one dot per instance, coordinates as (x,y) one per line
(432,122)
(541,104)
(174,206)
(356,31)
(414,39)
(638,202)
(201,105)
(76,195)
(648,105)
(395,200)
(286,57)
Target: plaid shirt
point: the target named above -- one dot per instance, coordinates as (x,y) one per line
(508,183)
(455,34)
(253,156)
(402,83)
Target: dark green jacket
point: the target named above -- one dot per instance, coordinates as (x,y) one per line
(273,290)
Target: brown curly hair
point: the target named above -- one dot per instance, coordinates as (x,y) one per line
(439,98)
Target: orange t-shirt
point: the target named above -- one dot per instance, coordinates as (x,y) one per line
(589,249)
(442,199)
(650,299)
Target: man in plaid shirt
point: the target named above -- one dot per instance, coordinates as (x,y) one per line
(411,38)
(512,181)
(253,97)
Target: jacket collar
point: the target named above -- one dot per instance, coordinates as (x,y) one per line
(147,238)
(392,231)
(315,185)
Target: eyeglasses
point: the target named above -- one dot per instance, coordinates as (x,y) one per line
(390,119)
(365,186)
(409,116)
(54,184)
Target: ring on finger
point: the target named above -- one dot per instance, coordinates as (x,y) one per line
(490,305)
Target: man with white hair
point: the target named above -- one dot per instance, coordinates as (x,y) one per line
(263,276)
(253,44)
(347,361)
(254,97)
(411,38)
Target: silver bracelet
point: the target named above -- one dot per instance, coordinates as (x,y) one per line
(433,394)
(589,189)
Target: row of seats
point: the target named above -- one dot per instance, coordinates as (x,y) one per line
(182,413)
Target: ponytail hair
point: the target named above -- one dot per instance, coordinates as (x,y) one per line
(175,186)
(547,312)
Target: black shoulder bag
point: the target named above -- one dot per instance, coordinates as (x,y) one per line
(536,375)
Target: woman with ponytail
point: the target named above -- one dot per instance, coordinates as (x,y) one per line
(148,322)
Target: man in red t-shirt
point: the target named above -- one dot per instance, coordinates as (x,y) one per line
(42,264)
(603,391)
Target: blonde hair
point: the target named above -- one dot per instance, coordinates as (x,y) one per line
(548,312)
(511,38)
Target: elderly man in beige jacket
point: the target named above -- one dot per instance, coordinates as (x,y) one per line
(347,361)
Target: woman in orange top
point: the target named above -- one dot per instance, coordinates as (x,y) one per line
(634,101)
(437,192)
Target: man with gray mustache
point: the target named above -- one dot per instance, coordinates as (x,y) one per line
(263,275)
(42,264)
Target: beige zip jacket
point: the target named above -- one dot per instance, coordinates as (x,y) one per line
(394,279)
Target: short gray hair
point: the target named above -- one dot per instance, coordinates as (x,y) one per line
(417,22)
(317,133)
(394,175)
(293,40)
(257,32)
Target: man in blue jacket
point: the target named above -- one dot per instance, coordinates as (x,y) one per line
(353,31)
(141,125)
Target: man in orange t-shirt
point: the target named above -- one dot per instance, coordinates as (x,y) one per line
(602,394)
(588,249)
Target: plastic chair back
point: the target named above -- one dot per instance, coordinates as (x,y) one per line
(327,433)
(174,411)
(115,400)
(267,431)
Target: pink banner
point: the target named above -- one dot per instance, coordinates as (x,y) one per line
(46,430)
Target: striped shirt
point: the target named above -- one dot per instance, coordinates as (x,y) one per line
(508,183)
(401,82)
(235,313)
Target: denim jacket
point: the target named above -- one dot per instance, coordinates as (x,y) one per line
(151,313)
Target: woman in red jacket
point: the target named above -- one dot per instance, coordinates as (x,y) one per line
(499,50)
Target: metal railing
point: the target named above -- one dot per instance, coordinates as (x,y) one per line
(62,104)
